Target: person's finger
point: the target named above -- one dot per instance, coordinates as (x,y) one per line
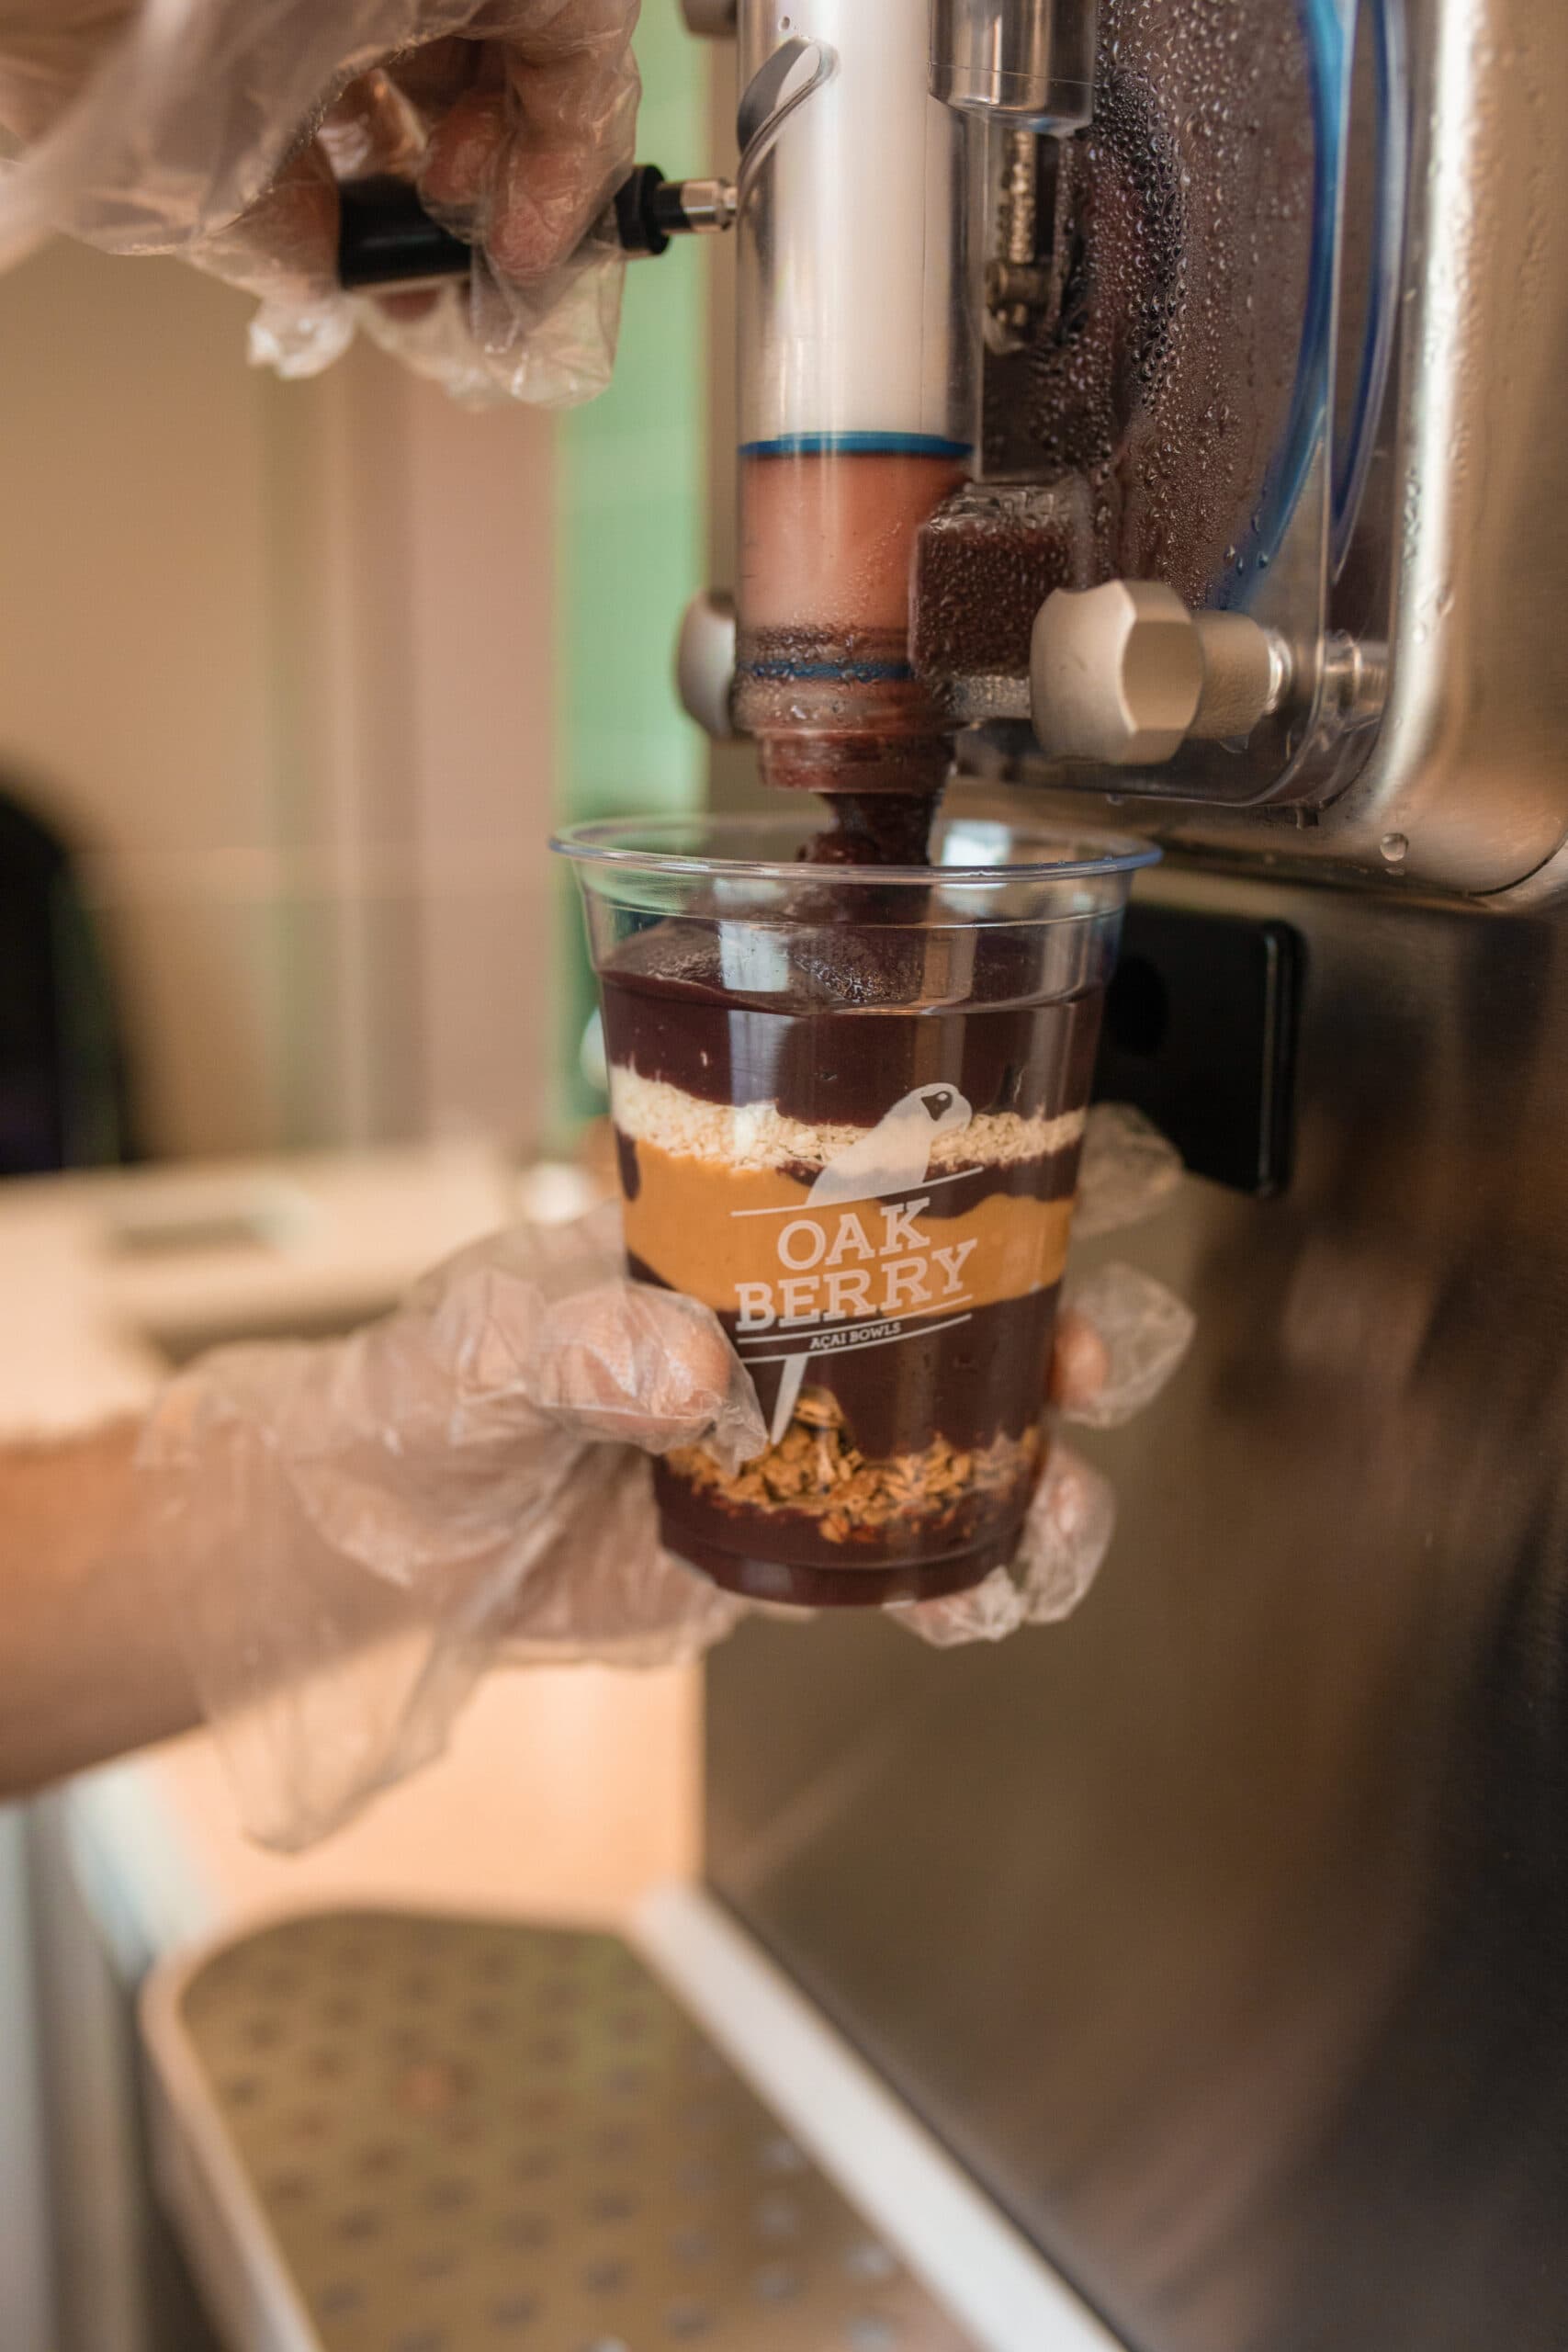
(646,1368)
(533,158)
(283,247)
(435,75)
(605,1589)
(381,125)
(1065,1538)
(374,128)
(1127,1171)
(991,1612)
(48,53)
(546,200)
(1080,1363)
(578,110)
(463,154)
(1126,1335)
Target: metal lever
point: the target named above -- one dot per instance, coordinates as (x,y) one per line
(387,238)
(1125,675)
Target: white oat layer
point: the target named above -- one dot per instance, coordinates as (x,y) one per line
(759,1136)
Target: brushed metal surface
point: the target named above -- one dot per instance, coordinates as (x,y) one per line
(1027,61)
(1224,1933)
(1466,786)
(464,2135)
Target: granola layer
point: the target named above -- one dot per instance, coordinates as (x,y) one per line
(756,1136)
(819,1482)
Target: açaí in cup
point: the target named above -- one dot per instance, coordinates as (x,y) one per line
(847,1105)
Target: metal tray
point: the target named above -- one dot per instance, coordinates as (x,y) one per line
(386,2133)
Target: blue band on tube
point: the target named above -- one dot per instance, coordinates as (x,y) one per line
(859,444)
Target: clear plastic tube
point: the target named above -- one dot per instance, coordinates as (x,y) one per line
(855,387)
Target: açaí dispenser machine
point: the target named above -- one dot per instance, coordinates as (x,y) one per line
(1162,405)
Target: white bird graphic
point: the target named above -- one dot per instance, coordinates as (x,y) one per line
(893,1157)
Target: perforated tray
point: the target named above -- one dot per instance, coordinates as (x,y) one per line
(454,2136)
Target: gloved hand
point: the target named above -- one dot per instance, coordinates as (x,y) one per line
(1119,1337)
(219,129)
(352,1532)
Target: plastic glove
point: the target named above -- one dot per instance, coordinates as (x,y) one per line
(218,130)
(352,1532)
(1119,1337)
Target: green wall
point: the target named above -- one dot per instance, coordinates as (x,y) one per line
(631,477)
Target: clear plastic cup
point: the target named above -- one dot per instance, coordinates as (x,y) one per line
(849,1102)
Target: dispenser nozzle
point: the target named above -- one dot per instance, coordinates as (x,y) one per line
(1030,62)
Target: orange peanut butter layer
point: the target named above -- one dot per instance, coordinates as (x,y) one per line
(748,1241)
(816,1470)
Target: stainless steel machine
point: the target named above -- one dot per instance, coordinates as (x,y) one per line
(1156,406)
(1174,410)
(1165,403)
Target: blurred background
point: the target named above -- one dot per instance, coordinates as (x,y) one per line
(296,680)
(301,676)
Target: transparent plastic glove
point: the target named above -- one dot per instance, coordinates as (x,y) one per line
(354,1532)
(1121,1336)
(1127,1171)
(218,130)
(1065,1539)
(351,1532)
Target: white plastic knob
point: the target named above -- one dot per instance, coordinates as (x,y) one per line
(704,663)
(1125,675)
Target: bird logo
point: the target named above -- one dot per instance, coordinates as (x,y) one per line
(894,1157)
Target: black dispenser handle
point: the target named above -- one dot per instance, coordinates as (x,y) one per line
(387,237)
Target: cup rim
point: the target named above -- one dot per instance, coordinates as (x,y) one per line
(632,843)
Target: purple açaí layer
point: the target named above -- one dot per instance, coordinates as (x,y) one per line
(833,1069)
